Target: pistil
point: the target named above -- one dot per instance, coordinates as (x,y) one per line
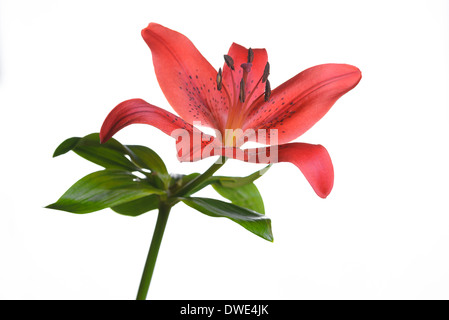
(242,91)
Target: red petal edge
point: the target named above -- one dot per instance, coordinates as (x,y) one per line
(139,111)
(190,141)
(186,78)
(297,104)
(313,161)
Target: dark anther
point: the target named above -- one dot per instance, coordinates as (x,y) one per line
(267,90)
(266,72)
(242,90)
(250,55)
(219,79)
(229,61)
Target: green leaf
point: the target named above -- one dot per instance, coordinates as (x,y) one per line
(180,180)
(66,146)
(184,179)
(103,189)
(246,196)
(146,158)
(240,190)
(138,206)
(113,155)
(232,182)
(249,219)
(110,155)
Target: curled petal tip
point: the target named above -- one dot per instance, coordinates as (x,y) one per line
(103,133)
(356,73)
(314,162)
(150,26)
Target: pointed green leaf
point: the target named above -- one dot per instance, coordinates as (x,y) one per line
(239,190)
(246,196)
(103,189)
(66,146)
(222,183)
(232,182)
(249,219)
(138,206)
(113,155)
(110,155)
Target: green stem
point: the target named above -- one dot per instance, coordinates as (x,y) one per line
(201,178)
(162,218)
(164,210)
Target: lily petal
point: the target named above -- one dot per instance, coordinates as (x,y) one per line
(296,105)
(190,141)
(231,78)
(139,111)
(186,78)
(313,161)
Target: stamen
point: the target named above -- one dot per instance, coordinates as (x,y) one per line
(219,79)
(246,67)
(229,61)
(267,90)
(250,55)
(242,91)
(266,72)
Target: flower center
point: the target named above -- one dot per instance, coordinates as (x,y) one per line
(242,93)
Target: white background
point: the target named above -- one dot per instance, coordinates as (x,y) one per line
(383,233)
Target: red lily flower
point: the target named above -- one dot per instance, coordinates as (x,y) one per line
(239,104)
